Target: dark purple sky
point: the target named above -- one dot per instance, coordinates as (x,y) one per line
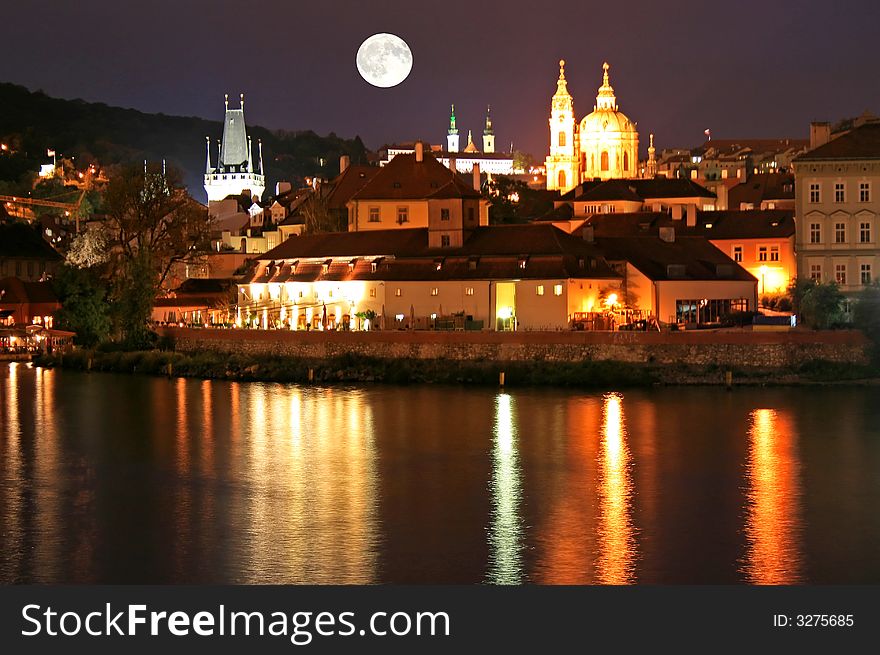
(741,68)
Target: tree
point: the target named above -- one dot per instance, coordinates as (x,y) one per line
(152,224)
(88,248)
(866,313)
(84,307)
(819,305)
(317,214)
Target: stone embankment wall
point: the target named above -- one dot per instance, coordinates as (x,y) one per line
(741,349)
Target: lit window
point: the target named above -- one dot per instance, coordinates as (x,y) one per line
(737,253)
(372,293)
(562,139)
(815,233)
(865,232)
(840,233)
(557,289)
(866,274)
(374,267)
(864,192)
(839,192)
(402,215)
(435,291)
(815,196)
(539,290)
(840,273)
(374,214)
(469,291)
(399,292)
(604,160)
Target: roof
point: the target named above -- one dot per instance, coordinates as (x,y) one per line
(22,240)
(718,225)
(16,291)
(405,178)
(637,189)
(496,252)
(235,146)
(761,187)
(349,182)
(861,143)
(692,257)
(729,146)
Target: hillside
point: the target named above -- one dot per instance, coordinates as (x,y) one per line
(31,122)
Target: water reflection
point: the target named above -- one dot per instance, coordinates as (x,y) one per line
(617,546)
(773,514)
(505,529)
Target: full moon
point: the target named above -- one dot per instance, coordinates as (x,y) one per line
(384,60)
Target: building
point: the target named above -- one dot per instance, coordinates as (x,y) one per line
(676,195)
(197,301)
(760,241)
(836,206)
(527,277)
(603,145)
(416,190)
(235,171)
(25,254)
(24,303)
(763,191)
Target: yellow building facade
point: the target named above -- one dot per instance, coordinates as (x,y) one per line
(603,145)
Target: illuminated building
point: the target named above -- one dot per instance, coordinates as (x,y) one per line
(234,172)
(603,145)
(837,184)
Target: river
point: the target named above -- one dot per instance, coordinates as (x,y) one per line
(109,478)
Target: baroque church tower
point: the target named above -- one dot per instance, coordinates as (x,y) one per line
(562,162)
(452,133)
(488,134)
(235,171)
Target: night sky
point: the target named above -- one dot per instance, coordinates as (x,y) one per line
(741,68)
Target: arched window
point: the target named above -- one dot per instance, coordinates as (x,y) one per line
(562,139)
(561,179)
(604,160)
(592,162)
(626,161)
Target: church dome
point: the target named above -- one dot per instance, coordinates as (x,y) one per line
(606,116)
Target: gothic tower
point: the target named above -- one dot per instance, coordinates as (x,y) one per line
(452,133)
(488,133)
(562,162)
(234,172)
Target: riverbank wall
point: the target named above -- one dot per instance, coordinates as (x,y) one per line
(745,349)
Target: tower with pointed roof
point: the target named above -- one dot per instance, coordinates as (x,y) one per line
(562,162)
(488,133)
(234,172)
(452,133)
(651,167)
(471,147)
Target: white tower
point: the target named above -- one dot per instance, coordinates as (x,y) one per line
(562,163)
(234,172)
(488,133)
(452,133)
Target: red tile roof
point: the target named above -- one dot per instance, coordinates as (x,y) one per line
(861,143)
(403,178)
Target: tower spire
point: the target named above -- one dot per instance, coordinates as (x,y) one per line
(605,98)
(226,101)
(208,157)
(452,133)
(651,168)
(452,128)
(250,156)
(488,128)
(260,147)
(561,84)
(488,132)
(241,101)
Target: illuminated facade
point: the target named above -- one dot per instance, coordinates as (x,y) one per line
(234,172)
(604,145)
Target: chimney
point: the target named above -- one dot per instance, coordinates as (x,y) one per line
(420,151)
(676,212)
(476,177)
(691,215)
(667,234)
(453,165)
(282,187)
(344,161)
(820,134)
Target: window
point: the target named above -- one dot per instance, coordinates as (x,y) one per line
(626,161)
(557,289)
(815,233)
(864,192)
(374,267)
(866,274)
(839,192)
(774,253)
(444,240)
(402,215)
(562,139)
(399,292)
(840,233)
(469,291)
(604,160)
(561,180)
(435,291)
(762,253)
(539,290)
(840,273)
(815,197)
(864,232)
(444,214)
(816,272)
(522,263)
(374,214)
(373,293)
(471,214)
